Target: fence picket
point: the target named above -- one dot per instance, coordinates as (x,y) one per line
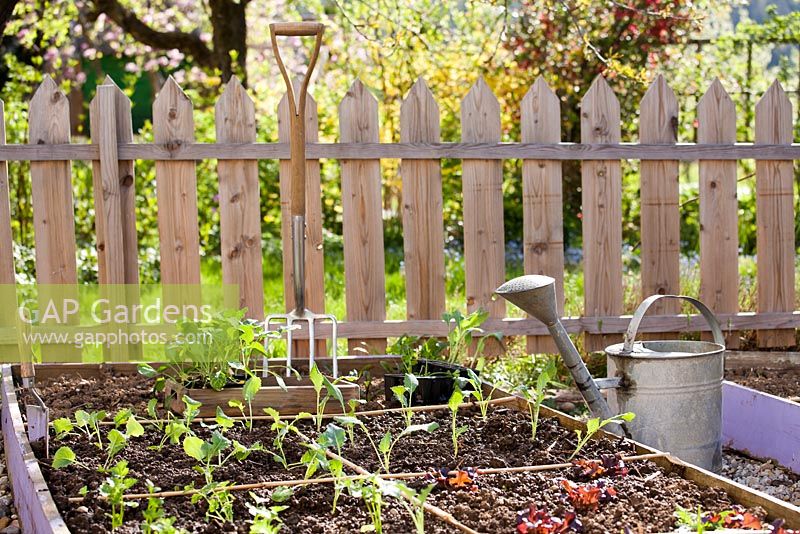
(7,277)
(315,261)
(364,263)
(53,215)
(239,201)
(719,239)
(660,216)
(482,185)
(775,216)
(176,191)
(542,201)
(423,221)
(601,194)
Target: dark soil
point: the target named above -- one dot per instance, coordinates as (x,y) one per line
(646,497)
(780,382)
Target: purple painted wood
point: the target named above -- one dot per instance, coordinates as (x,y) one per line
(35,507)
(760,424)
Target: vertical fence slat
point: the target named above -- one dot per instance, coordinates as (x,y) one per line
(719,238)
(127,188)
(775,216)
(51,193)
(601,195)
(543,234)
(423,222)
(364,262)
(315,261)
(239,201)
(176,191)
(482,182)
(106,184)
(108,209)
(660,216)
(7,278)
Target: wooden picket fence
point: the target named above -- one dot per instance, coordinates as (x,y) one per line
(113,153)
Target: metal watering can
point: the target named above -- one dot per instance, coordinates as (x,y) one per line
(674,387)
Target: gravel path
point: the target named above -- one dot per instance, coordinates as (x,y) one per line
(764,476)
(9,524)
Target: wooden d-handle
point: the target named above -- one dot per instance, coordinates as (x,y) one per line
(297,106)
(299,29)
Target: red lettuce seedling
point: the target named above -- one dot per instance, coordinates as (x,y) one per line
(777,527)
(458,479)
(741,519)
(539,521)
(609,465)
(588,496)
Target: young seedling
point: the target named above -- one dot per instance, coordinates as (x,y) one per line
(211,455)
(411,500)
(476,385)
(456,431)
(369,491)
(64,457)
(281,427)
(265,520)
(405,394)
(89,424)
(463,332)
(320,381)
(535,398)
(594,425)
(219,501)
(113,490)
(249,391)
(383,449)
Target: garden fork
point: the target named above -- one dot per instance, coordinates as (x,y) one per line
(297,144)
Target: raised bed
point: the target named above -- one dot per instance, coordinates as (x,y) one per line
(412,454)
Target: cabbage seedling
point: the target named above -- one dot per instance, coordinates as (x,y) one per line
(594,425)
(404,395)
(455,401)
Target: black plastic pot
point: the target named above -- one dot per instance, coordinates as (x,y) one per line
(436,383)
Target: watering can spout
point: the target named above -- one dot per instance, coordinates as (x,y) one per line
(534,294)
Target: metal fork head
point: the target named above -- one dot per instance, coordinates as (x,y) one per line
(290,320)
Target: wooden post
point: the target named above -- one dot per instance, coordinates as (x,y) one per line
(601,196)
(53,215)
(423,222)
(775,216)
(542,201)
(109,213)
(315,261)
(719,237)
(8,353)
(364,263)
(239,201)
(176,190)
(660,217)
(484,241)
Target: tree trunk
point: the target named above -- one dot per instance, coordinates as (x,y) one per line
(230,37)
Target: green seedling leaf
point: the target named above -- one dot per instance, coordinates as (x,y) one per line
(62,426)
(222,419)
(134,428)
(116,440)
(385,444)
(280,382)
(282,493)
(151,408)
(627,416)
(251,388)
(82,417)
(333,436)
(193,446)
(146,370)
(218,380)
(347,420)
(63,457)
(410,382)
(455,400)
(400,394)
(333,391)
(122,416)
(428,427)
(316,378)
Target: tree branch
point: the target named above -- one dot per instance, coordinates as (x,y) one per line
(188,43)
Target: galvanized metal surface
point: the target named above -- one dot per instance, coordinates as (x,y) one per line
(675,389)
(536,295)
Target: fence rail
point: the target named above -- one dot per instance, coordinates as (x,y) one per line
(113,154)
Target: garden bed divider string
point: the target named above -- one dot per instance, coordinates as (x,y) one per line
(432,408)
(385,476)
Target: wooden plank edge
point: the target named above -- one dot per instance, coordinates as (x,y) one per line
(36,509)
(746,359)
(409,151)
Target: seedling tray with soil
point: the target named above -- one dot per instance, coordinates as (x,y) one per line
(499,480)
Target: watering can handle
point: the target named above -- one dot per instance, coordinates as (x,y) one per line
(630,334)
